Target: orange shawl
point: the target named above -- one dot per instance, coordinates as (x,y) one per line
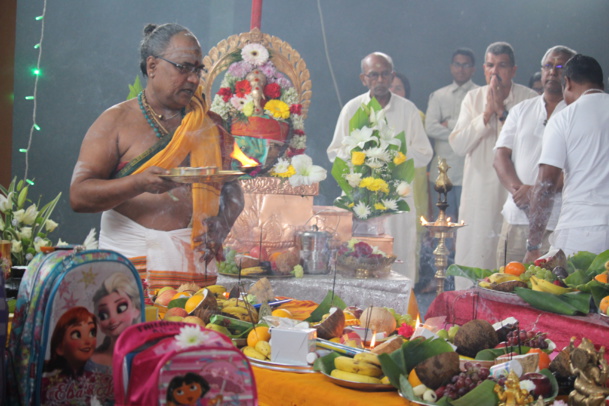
(198,136)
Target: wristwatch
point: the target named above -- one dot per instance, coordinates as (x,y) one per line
(532,247)
(503,116)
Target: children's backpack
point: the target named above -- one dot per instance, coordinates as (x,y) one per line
(71,308)
(3,328)
(175,363)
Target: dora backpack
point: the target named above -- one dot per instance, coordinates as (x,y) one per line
(71,308)
(175,363)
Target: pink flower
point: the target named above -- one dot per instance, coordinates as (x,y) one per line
(240,69)
(268,69)
(299,132)
(272,91)
(242,88)
(406,330)
(293,152)
(226,94)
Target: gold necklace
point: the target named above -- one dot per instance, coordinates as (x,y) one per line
(149,114)
(155,114)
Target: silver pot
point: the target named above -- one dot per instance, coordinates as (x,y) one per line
(313,240)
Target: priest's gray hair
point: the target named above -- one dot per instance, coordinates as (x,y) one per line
(156,39)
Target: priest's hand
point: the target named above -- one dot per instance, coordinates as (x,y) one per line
(150,181)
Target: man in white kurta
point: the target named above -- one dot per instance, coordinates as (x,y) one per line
(482,115)
(575,143)
(517,155)
(442,114)
(402,115)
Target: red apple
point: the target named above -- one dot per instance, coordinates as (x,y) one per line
(259,252)
(543,386)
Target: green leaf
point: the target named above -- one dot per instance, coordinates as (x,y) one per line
(405,171)
(135,89)
(418,350)
(490,354)
(554,384)
(406,389)
(598,264)
(339,170)
(577,279)
(581,260)
(324,307)
(598,291)
(22,197)
(403,206)
(391,369)
(468,272)
(481,395)
(359,120)
(579,300)
(326,363)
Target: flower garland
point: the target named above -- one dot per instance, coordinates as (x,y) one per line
(375,174)
(237,100)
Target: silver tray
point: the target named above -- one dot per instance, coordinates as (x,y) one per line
(369,387)
(275,366)
(217,177)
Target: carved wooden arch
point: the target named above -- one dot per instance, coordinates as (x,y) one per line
(285,58)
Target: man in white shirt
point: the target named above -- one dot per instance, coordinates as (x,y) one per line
(482,115)
(517,155)
(402,115)
(442,113)
(576,143)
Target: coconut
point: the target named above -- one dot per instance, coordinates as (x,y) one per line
(207,307)
(188,287)
(378,319)
(475,336)
(332,326)
(438,370)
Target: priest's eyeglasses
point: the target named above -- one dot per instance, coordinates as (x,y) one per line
(186,68)
(376,75)
(548,67)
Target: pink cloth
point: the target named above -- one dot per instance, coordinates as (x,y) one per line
(462,306)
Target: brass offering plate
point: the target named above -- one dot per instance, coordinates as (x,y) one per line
(369,387)
(275,366)
(208,174)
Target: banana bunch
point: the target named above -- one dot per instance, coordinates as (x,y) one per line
(238,309)
(363,367)
(261,351)
(502,277)
(542,285)
(253,270)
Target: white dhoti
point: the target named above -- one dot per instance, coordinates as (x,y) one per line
(170,259)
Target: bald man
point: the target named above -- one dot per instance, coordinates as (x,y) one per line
(402,115)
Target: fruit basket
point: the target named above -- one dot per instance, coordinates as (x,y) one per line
(358,259)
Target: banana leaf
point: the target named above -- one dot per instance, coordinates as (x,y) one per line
(577,279)
(468,272)
(481,395)
(324,307)
(407,392)
(581,260)
(598,264)
(579,300)
(325,364)
(490,354)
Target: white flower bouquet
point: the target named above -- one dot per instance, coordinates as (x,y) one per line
(376,177)
(24,223)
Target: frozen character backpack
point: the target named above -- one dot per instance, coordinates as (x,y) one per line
(71,309)
(174,364)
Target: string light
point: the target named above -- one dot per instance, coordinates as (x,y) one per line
(36,72)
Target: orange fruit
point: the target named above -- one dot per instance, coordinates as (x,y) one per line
(514,268)
(282,313)
(181,295)
(604,305)
(413,379)
(601,277)
(259,333)
(544,359)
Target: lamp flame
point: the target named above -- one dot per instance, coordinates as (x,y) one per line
(246,161)
(373,340)
(418,323)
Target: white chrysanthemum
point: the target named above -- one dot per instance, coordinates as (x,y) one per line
(527,385)
(353,179)
(290,96)
(190,336)
(255,54)
(375,163)
(390,204)
(220,107)
(361,210)
(306,172)
(297,122)
(281,166)
(403,189)
(378,153)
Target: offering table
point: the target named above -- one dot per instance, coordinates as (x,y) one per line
(393,291)
(462,306)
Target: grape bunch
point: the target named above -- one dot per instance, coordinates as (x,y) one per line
(539,272)
(229,265)
(527,338)
(464,382)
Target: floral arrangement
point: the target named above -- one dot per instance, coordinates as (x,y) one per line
(238,100)
(25,227)
(372,169)
(358,256)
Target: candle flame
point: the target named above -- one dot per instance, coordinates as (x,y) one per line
(418,321)
(423,221)
(246,162)
(373,340)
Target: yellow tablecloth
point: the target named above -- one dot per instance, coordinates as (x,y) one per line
(292,389)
